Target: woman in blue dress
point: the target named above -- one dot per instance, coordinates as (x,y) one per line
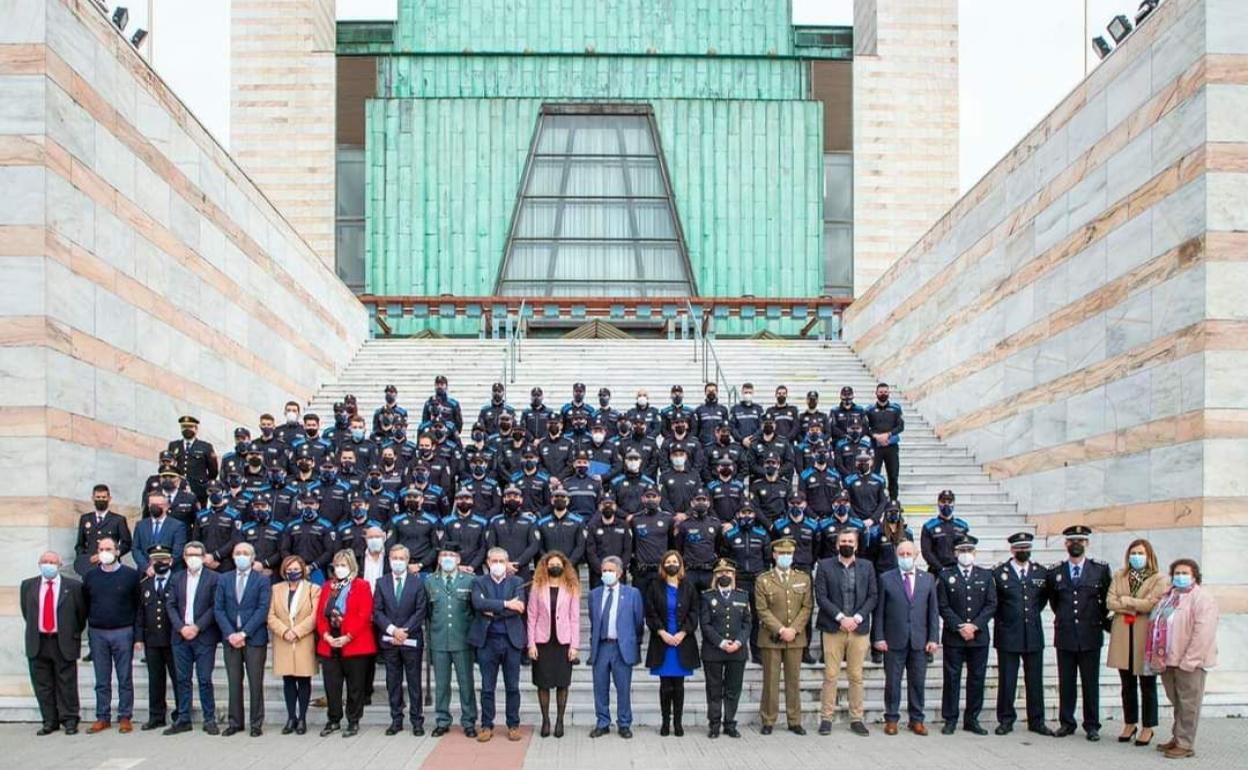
(672,616)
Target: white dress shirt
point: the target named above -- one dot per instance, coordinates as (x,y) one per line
(373,569)
(192,586)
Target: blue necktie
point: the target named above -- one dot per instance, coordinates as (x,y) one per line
(156,532)
(1075,569)
(606,612)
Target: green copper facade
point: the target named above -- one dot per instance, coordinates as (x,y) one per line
(460,86)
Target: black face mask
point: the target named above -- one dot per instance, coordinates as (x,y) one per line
(555,571)
(603,401)
(309,514)
(216,498)
(536,403)
(671,570)
(769,430)
(712,398)
(677,400)
(259,515)
(582,471)
(240,447)
(821,457)
(266,432)
(277,478)
(650,504)
(945,510)
(340,421)
(845,551)
(311,432)
(294,576)
(188,434)
(608,513)
(772,469)
(168,486)
(391,398)
(161,567)
(529,465)
(374,484)
(1075,550)
(412,505)
(100,505)
(254,463)
(559,504)
(724,581)
(478,471)
(421,478)
(498,399)
(700,508)
(511,506)
(387,462)
(639,432)
(234,480)
(746,521)
(892,517)
(811,404)
(463,506)
(1022,557)
(781,399)
(725,439)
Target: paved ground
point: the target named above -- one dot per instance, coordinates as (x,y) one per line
(1218,748)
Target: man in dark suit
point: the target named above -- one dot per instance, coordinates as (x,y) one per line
(1078,588)
(241,608)
(97,524)
(905,628)
(154,632)
(499,637)
(55,616)
(159,529)
(399,607)
(192,596)
(616,618)
(1018,633)
(194,459)
(724,617)
(846,596)
(968,600)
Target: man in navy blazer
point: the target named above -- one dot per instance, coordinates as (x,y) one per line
(191,604)
(158,529)
(399,607)
(242,612)
(499,636)
(906,628)
(616,619)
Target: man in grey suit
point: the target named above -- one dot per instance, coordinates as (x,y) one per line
(905,628)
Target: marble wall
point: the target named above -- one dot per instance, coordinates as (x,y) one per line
(142,276)
(1077,318)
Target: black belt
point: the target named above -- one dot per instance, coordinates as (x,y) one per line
(52,635)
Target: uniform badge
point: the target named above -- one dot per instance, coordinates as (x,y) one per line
(714,602)
(600,533)
(1005,576)
(1059,577)
(936,530)
(147,594)
(952,580)
(87,525)
(660,525)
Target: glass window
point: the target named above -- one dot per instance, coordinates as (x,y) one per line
(595,216)
(349,211)
(838,224)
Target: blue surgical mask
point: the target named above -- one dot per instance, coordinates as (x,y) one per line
(242,562)
(48,571)
(1182,581)
(447,563)
(906,563)
(784,560)
(1137,561)
(357,434)
(609,579)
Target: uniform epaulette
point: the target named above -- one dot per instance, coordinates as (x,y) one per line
(807,473)
(324,522)
(544,519)
(480,518)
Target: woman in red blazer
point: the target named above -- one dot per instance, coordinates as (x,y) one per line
(345,641)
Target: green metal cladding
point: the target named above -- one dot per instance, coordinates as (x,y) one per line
(460,89)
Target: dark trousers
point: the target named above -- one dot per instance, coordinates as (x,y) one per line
(403,663)
(159,669)
(610,668)
(298,692)
(723,691)
(1086,665)
(55,680)
(351,671)
(701,579)
(1007,686)
(976,661)
(198,658)
(888,456)
(499,652)
(746,583)
(1137,690)
(250,660)
(112,648)
(913,662)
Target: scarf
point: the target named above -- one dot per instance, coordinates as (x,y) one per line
(1136,578)
(1158,641)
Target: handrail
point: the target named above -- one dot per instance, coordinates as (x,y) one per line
(511,353)
(709,355)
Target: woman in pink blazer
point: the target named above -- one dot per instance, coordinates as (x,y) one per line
(554,625)
(1182,646)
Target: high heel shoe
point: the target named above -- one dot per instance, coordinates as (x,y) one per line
(1150,732)
(301,727)
(545,732)
(289,727)
(558,728)
(1126,737)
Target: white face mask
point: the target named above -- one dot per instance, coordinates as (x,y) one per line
(341,571)
(398,566)
(107,557)
(966,558)
(632,465)
(194,563)
(375,544)
(747,398)
(642,402)
(498,569)
(609,578)
(292,418)
(678,463)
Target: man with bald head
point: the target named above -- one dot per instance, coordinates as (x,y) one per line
(55,616)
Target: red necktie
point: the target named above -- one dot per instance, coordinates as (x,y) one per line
(47,624)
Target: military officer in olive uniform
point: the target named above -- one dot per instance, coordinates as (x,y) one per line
(724,616)
(1017,632)
(782,597)
(967,597)
(1077,590)
(450,615)
(193,458)
(152,630)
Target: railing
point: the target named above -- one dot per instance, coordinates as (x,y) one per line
(821,315)
(512,356)
(703,338)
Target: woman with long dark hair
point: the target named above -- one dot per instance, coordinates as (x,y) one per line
(1134,592)
(672,615)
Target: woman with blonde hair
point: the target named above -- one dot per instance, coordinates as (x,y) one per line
(292,624)
(554,626)
(1133,593)
(672,615)
(345,641)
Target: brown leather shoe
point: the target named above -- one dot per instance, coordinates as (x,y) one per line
(1167,745)
(99,725)
(1178,752)
(918,728)
(513,734)
(485,735)
(890,728)
(124,726)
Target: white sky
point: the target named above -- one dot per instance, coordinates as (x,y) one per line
(1018,58)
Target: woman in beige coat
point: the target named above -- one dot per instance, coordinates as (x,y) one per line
(1134,592)
(292,625)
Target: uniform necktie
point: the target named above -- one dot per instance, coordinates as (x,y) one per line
(47,624)
(156,531)
(966,574)
(606,610)
(160,585)
(909,586)
(1075,569)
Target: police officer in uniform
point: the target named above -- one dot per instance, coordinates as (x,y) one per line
(697,539)
(152,631)
(1022,592)
(724,617)
(310,537)
(771,491)
(607,534)
(727,492)
(265,536)
(783,599)
(417,529)
(652,537)
(194,458)
(1077,592)
(235,460)
(747,543)
(627,486)
(710,414)
(562,530)
(967,597)
(98,524)
(746,417)
(940,533)
(515,531)
(467,529)
(217,527)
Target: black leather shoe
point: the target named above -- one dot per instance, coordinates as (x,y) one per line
(797,729)
(255,732)
(712,732)
(175,729)
(625,732)
(807,658)
(470,732)
(825,727)
(1041,730)
(329,729)
(353,729)
(71,728)
(47,730)
(1063,731)
(974,727)
(418,730)
(950,727)
(301,727)
(766,730)
(1004,729)
(859,728)
(1094,735)
(231,730)
(210,728)
(598,732)
(152,724)
(289,727)
(394,729)
(732,732)
(439,731)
